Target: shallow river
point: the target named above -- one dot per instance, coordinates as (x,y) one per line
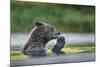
(83,57)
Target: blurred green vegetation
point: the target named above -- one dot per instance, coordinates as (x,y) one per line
(65,18)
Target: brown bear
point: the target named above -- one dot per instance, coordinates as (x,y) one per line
(40,35)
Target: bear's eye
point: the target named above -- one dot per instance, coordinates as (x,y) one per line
(52,29)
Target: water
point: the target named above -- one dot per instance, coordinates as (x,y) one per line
(83,57)
(71,38)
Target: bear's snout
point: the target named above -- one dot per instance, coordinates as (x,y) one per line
(58,33)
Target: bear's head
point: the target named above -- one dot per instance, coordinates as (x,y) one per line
(46,31)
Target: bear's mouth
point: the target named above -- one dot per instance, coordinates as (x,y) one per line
(55,37)
(58,33)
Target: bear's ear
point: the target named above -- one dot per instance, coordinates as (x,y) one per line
(38,23)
